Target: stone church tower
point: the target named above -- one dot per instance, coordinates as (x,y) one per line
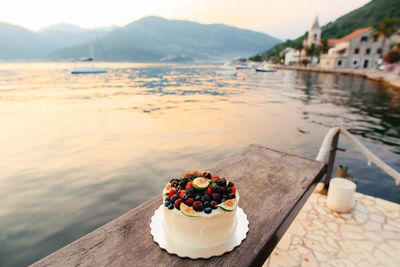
(314,35)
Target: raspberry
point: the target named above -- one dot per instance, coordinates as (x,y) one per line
(171,193)
(190,201)
(189,184)
(234,190)
(209,191)
(181,193)
(213,204)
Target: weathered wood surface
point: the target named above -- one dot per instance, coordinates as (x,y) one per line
(273,187)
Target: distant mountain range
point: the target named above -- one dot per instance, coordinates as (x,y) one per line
(151,39)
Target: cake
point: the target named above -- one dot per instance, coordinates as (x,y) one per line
(199,210)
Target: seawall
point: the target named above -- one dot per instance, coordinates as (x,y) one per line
(387,78)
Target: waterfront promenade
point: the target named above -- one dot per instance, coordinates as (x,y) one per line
(367,236)
(391,78)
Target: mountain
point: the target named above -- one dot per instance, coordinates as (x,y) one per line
(153,38)
(65,35)
(20,43)
(367,15)
(148,39)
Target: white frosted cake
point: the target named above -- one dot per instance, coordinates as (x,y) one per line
(199,210)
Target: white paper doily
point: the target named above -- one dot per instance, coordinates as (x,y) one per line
(192,252)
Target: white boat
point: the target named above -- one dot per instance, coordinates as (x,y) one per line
(243,67)
(227,73)
(88,69)
(228,66)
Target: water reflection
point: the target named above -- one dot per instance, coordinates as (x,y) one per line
(79,150)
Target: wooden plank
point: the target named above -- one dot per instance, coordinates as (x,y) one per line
(273,187)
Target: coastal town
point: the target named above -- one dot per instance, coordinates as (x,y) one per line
(371,52)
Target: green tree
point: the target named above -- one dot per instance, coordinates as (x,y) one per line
(299,46)
(386,28)
(324,46)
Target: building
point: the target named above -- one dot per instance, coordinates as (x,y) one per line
(314,35)
(291,56)
(357,50)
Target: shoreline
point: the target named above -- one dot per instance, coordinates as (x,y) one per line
(386,78)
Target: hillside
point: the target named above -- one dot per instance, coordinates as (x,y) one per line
(154,38)
(367,15)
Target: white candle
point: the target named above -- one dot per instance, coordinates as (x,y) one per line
(340,195)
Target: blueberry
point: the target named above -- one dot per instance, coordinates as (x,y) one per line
(223,200)
(184,196)
(167,199)
(215,180)
(229,190)
(167,203)
(207,210)
(197,198)
(171,206)
(206,204)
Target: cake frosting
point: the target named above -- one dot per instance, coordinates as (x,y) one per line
(202,215)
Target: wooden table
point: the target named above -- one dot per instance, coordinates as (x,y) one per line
(273,188)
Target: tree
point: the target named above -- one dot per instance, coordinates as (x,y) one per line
(324,47)
(392,56)
(299,46)
(386,28)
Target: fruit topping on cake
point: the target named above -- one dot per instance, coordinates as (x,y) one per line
(200,192)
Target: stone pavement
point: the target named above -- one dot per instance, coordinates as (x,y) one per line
(368,236)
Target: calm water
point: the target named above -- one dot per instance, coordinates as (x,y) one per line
(78,151)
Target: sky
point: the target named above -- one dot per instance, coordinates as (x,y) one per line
(280,18)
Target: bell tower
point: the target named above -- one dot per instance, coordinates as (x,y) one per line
(314,35)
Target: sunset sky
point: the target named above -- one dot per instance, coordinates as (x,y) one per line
(282,19)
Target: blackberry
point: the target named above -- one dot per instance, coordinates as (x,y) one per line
(229,190)
(198,206)
(224,196)
(184,182)
(205,198)
(232,195)
(173,198)
(217,189)
(206,175)
(216,197)
(191,191)
(221,182)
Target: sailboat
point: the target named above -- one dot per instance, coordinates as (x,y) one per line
(89,69)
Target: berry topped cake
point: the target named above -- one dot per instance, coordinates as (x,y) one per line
(199,209)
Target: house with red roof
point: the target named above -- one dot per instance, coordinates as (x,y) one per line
(357,50)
